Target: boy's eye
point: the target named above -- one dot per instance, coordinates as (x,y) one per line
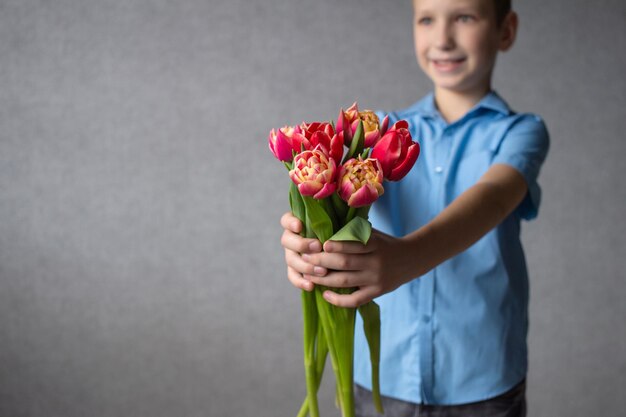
(465,18)
(424,21)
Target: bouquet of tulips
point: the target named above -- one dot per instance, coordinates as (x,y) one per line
(337,172)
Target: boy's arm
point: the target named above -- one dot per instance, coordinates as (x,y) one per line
(469,217)
(386,262)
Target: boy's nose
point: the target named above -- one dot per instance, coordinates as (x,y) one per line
(444,37)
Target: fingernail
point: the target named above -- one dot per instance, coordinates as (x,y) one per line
(318,270)
(328,247)
(315,246)
(306,257)
(327,296)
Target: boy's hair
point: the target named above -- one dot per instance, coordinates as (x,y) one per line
(503,7)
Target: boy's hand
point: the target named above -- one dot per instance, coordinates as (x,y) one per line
(374,269)
(295,245)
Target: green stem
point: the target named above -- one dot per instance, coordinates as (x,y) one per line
(370,313)
(351,214)
(309,314)
(338,326)
(328,325)
(320,361)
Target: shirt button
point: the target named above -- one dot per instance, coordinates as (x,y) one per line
(438,170)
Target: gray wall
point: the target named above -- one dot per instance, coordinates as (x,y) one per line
(140,266)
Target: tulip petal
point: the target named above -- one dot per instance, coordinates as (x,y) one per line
(327,190)
(309,188)
(403,168)
(280,145)
(364,196)
(387,151)
(400,124)
(336,148)
(371,138)
(384,125)
(346,190)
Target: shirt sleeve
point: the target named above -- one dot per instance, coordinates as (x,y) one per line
(524,147)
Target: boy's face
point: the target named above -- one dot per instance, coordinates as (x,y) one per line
(456,42)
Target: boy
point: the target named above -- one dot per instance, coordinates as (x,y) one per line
(445,263)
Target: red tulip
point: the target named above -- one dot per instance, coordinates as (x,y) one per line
(323,134)
(396,151)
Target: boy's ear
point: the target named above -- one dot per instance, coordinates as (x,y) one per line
(508,31)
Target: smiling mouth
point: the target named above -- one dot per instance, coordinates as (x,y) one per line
(447,64)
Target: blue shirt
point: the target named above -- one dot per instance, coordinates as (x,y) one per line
(458,333)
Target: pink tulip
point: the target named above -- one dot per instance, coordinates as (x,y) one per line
(345,121)
(396,151)
(314,173)
(284,141)
(372,128)
(360,182)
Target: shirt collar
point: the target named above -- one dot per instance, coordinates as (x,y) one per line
(492,101)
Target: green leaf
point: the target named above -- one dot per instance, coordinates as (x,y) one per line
(358,229)
(341,207)
(356,146)
(329,208)
(296,203)
(317,219)
(370,313)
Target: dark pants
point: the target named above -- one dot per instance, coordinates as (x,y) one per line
(510,404)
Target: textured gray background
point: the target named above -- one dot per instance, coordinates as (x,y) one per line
(140,266)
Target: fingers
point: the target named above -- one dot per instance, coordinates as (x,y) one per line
(295,261)
(349,279)
(297,243)
(292,240)
(359,297)
(290,222)
(349,247)
(338,261)
(298,281)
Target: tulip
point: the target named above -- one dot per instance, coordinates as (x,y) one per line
(284,141)
(314,173)
(372,128)
(345,121)
(308,129)
(360,182)
(396,152)
(323,134)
